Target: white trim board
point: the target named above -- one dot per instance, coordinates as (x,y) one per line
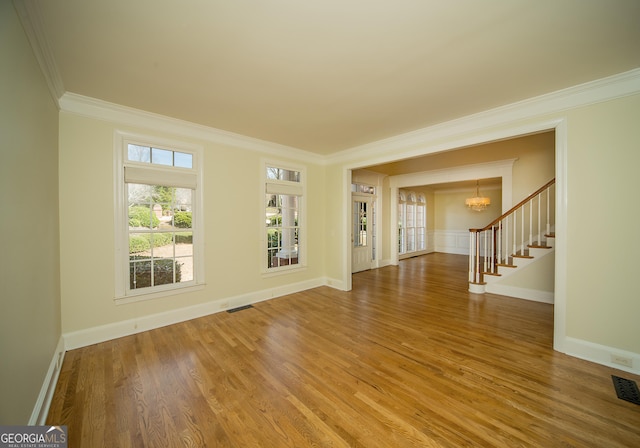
(41,407)
(600,354)
(534,295)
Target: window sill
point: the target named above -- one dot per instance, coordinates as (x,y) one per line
(283,270)
(142,296)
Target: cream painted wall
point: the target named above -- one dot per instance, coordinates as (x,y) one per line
(537,276)
(233,218)
(337,242)
(29,273)
(451,213)
(603,303)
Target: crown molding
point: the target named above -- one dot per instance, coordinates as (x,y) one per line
(131,117)
(415,143)
(31,19)
(498,168)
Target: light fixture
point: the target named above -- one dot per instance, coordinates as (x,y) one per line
(477,203)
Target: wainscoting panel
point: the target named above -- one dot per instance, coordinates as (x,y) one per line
(451,241)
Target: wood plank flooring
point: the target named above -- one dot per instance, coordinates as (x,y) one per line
(408,358)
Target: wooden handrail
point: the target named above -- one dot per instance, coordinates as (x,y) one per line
(515,207)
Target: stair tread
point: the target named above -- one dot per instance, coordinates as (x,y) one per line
(536,246)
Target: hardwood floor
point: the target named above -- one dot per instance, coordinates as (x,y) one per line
(408,358)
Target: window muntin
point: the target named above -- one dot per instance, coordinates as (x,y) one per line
(159,240)
(283,206)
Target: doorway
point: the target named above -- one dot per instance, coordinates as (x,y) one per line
(362,233)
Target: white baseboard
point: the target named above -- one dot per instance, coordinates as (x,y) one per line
(41,408)
(520,293)
(600,354)
(94,335)
(335,283)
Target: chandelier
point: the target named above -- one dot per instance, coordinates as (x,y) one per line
(477,203)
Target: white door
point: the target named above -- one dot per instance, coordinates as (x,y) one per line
(361,234)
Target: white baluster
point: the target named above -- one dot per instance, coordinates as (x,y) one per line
(539,218)
(515,231)
(522,233)
(548,213)
(531,221)
(477,248)
(471,255)
(499,248)
(506,240)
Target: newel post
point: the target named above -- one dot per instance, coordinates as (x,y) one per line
(475,281)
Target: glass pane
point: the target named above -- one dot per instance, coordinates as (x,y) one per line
(283,174)
(183,160)
(272,260)
(137,153)
(163,271)
(162,157)
(274,238)
(140,274)
(184,244)
(162,244)
(141,216)
(183,198)
(163,194)
(184,272)
(139,245)
(138,193)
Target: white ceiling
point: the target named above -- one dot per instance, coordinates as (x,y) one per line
(329,75)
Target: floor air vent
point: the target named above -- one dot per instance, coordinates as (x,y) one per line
(626,389)
(240,308)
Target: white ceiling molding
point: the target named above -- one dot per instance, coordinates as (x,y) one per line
(419,142)
(501,168)
(32,24)
(115,113)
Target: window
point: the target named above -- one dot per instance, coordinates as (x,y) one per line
(402,228)
(364,218)
(159,224)
(412,222)
(283,208)
(421,223)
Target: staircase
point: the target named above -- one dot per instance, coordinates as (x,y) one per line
(512,244)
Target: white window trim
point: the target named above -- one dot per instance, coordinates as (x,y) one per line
(302,215)
(122,293)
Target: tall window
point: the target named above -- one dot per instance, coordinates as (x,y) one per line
(284,196)
(412,222)
(421,223)
(158,209)
(402,227)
